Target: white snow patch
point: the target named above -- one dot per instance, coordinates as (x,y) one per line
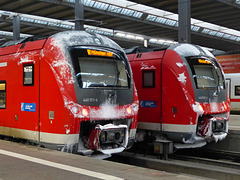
(73,107)
(111,126)
(207,131)
(219,137)
(182,78)
(16,55)
(111,111)
(195,145)
(145,66)
(222,135)
(25,59)
(63,67)
(67,129)
(180,64)
(135,107)
(107,111)
(214,107)
(197,109)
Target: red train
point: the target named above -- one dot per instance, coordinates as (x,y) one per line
(72,91)
(182,95)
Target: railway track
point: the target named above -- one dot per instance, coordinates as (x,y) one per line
(223,166)
(211,157)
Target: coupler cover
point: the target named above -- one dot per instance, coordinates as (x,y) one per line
(108,138)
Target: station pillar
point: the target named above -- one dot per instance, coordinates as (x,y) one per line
(184,21)
(16,28)
(79,15)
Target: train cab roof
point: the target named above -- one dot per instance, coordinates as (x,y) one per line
(183,49)
(66,38)
(81,38)
(142,49)
(190,50)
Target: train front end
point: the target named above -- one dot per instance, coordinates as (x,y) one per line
(102,100)
(199,108)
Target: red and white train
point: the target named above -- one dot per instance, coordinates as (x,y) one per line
(72,91)
(231,67)
(182,95)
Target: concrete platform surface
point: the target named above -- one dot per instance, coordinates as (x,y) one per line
(23,162)
(234,122)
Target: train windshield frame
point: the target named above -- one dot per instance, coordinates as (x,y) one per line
(99,68)
(207,73)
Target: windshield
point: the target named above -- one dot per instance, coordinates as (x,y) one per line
(99,69)
(206,73)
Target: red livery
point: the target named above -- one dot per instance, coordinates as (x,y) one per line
(182,95)
(72,91)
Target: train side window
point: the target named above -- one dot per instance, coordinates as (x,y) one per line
(2,94)
(148,78)
(28,75)
(237,90)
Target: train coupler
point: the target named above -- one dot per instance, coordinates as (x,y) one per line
(109,138)
(212,128)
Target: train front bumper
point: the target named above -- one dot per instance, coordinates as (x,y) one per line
(108,138)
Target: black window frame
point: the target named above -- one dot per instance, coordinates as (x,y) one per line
(4,91)
(76,52)
(194,61)
(237,92)
(152,71)
(24,76)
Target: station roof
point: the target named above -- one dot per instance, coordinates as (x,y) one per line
(215,23)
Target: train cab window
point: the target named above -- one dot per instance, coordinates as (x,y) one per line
(2,94)
(148,79)
(28,75)
(206,73)
(100,69)
(237,90)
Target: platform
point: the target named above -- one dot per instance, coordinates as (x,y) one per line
(234,122)
(21,162)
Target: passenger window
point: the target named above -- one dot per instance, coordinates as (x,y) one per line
(237,90)
(28,75)
(2,94)
(148,78)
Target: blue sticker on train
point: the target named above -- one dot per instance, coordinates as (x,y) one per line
(30,107)
(151,104)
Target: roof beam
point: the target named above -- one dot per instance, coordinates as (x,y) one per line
(230,3)
(111,14)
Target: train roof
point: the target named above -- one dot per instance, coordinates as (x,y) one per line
(142,49)
(81,38)
(72,38)
(183,49)
(187,50)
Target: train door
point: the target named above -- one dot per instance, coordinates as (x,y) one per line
(29,98)
(147,76)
